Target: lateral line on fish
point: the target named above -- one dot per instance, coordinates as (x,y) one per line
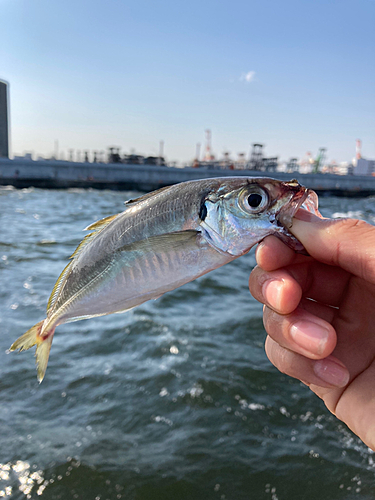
(89,316)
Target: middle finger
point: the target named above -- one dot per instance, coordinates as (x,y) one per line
(301,332)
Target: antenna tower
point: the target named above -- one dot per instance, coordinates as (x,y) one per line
(358,147)
(208,155)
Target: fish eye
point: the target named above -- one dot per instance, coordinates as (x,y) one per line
(253,199)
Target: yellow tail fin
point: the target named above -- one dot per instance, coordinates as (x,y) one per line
(43,346)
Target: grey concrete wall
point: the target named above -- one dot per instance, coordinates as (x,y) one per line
(59,174)
(4,125)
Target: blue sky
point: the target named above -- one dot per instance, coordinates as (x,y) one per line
(293,75)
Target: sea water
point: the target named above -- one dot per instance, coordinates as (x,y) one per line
(173,400)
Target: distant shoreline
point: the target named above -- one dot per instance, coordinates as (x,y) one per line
(52,174)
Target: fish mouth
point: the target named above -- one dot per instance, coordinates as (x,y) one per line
(303,198)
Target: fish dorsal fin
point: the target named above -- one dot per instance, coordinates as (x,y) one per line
(100,224)
(82,245)
(58,285)
(96,227)
(144,197)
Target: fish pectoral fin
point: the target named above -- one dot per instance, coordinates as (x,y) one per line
(162,242)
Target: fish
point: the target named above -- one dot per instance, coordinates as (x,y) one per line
(162,240)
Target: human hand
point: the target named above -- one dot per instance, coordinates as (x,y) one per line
(319,313)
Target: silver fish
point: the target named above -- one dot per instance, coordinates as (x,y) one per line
(163,240)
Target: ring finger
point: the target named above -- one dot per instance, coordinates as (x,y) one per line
(328,372)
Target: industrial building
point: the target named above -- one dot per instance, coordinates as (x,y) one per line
(365,167)
(4,120)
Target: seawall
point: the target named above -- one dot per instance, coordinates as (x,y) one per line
(60,174)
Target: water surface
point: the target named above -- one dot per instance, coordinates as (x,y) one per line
(172,400)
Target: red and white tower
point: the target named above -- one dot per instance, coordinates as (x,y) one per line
(358,147)
(208,155)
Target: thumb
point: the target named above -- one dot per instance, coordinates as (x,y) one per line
(347,243)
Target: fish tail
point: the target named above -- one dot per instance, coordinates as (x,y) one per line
(43,346)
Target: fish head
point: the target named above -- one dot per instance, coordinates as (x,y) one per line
(243,211)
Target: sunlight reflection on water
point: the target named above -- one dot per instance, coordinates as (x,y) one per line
(20,473)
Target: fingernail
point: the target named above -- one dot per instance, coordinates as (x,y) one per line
(331,371)
(258,248)
(309,336)
(305,216)
(271,291)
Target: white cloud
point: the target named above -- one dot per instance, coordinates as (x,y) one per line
(247,77)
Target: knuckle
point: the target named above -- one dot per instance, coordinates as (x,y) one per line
(277,355)
(282,360)
(352,236)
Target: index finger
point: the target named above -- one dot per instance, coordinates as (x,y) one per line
(345,243)
(311,280)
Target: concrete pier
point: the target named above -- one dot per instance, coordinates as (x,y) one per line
(54,174)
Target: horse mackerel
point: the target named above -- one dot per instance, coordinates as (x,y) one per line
(163,240)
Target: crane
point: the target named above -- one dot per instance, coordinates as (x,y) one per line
(319,160)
